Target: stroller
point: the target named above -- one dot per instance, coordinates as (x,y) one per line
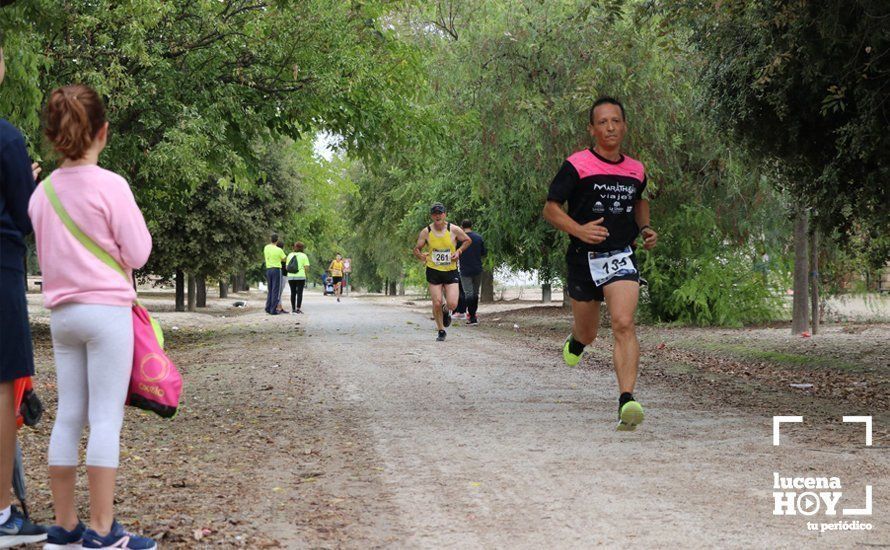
(328,285)
(29,410)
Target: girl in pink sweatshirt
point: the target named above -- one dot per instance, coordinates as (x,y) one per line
(91,323)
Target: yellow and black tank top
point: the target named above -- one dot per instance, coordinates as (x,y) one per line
(441,257)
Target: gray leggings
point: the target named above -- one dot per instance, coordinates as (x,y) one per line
(93,348)
(471,284)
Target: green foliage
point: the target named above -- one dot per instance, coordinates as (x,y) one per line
(512,104)
(217,229)
(851,268)
(20,95)
(197,95)
(806,83)
(318,213)
(701,280)
(213,106)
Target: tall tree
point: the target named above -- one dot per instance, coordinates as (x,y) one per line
(806,83)
(193,87)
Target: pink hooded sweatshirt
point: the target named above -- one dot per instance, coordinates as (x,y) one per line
(101,203)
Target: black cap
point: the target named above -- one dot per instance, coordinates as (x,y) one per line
(437,208)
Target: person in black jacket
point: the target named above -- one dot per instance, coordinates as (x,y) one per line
(471,270)
(17,182)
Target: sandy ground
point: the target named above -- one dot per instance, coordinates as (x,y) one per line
(350,426)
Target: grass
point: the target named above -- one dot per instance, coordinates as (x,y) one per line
(680,368)
(781,358)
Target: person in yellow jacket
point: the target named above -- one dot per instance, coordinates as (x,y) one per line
(440,238)
(273,256)
(336,268)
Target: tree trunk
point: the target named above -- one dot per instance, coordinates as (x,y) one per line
(386,287)
(814,282)
(566,301)
(201,285)
(180,291)
(402,286)
(191,292)
(486,292)
(800,313)
(392,288)
(546,291)
(241,282)
(223,289)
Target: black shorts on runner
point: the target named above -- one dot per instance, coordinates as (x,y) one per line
(580,283)
(337,280)
(436,277)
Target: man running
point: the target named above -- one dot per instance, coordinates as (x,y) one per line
(606,213)
(471,271)
(441,264)
(274,256)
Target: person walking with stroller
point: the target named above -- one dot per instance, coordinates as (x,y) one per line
(91,319)
(17,176)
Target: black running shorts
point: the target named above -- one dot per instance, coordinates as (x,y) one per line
(580,283)
(436,277)
(337,280)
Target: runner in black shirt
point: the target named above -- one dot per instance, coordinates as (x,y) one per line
(606,213)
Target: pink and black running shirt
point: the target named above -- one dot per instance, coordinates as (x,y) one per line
(600,188)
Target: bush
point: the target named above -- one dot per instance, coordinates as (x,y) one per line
(697,277)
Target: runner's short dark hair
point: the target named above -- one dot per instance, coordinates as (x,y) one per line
(466,224)
(606,100)
(274,238)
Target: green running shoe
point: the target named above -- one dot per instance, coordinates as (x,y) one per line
(570,358)
(630,416)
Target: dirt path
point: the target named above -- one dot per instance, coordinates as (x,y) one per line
(351,427)
(485,443)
